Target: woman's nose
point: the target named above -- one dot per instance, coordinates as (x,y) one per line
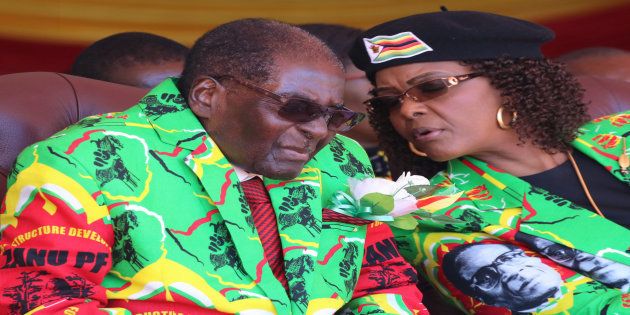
(410,108)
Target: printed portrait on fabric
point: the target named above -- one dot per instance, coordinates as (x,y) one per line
(502,275)
(486,275)
(608,272)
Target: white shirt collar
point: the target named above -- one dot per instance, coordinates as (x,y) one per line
(243,175)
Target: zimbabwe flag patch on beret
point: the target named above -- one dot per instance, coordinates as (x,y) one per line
(402,45)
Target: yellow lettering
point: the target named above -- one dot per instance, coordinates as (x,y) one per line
(40,231)
(62,230)
(72,231)
(16,241)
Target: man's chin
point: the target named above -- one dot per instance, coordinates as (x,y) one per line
(535,302)
(286,172)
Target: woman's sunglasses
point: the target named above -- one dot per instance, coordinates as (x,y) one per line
(338,118)
(420,92)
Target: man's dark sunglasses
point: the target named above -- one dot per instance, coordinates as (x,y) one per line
(420,92)
(338,118)
(489,276)
(559,253)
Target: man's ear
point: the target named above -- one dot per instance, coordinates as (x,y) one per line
(204,95)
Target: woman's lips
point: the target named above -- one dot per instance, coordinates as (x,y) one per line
(426,134)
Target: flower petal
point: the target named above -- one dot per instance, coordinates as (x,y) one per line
(403,206)
(359,189)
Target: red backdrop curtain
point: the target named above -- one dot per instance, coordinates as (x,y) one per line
(45,35)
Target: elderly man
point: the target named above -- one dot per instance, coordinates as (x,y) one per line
(206,197)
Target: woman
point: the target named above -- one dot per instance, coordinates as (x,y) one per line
(470,93)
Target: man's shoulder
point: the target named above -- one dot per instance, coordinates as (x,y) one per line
(84,130)
(348,143)
(342,155)
(341,159)
(342,145)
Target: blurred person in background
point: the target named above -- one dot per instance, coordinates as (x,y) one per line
(131,58)
(604,73)
(603,62)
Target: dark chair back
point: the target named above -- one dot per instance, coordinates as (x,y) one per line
(605,96)
(35,105)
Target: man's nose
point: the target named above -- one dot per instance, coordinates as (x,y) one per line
(411,109)
(586,260)
(315,129)
(508,271)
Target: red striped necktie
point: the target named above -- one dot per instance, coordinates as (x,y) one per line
(265,222)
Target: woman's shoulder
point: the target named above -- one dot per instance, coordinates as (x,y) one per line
(441,180)
(614,122)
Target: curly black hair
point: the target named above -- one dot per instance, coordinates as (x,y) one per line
(547,98)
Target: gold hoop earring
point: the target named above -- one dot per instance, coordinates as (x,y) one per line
(415,151)
(502,123)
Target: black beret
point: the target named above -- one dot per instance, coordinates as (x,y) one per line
(447,36)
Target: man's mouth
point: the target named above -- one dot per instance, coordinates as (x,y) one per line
(601,271)
(525,285)
(296,153)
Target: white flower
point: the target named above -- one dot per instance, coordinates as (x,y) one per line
(404,202)
(394,202)
(407,179)
(360,188)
